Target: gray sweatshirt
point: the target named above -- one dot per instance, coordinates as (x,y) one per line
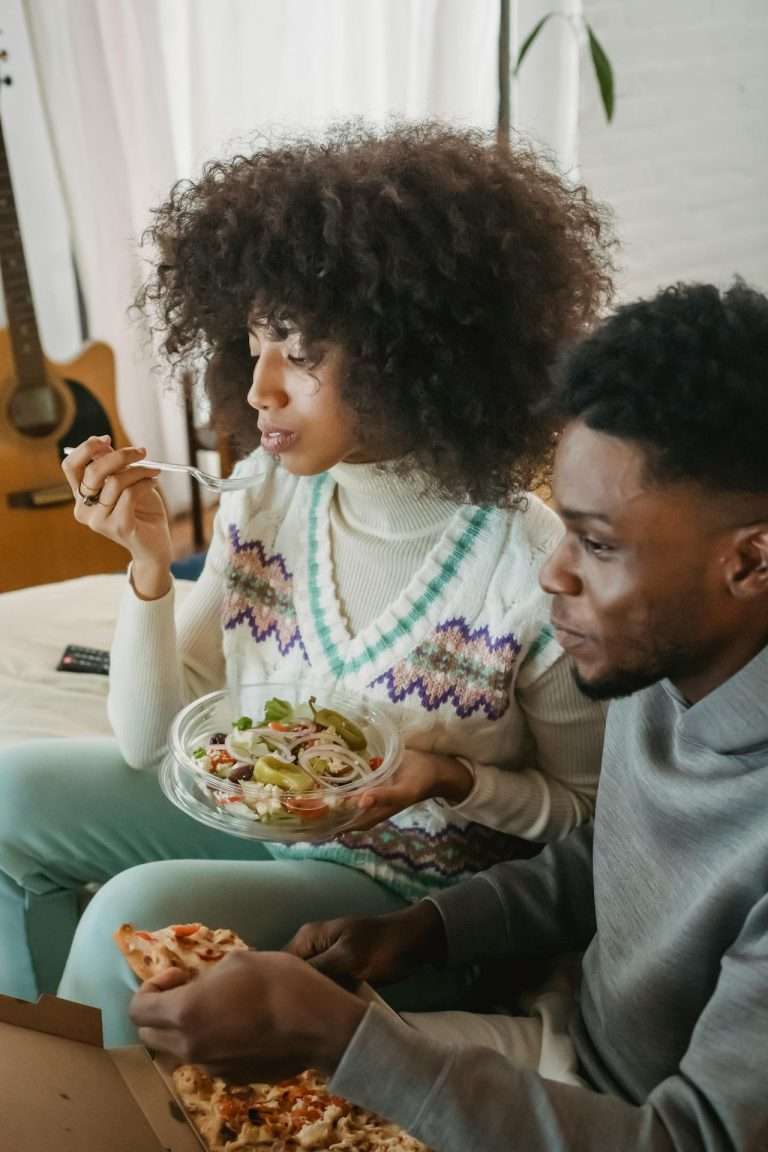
(670,903)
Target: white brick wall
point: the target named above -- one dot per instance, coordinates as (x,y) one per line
(685,162)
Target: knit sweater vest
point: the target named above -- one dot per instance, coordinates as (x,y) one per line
(443,654)
(361,580)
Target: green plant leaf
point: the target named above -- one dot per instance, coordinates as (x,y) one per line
(603,72)
(528,42)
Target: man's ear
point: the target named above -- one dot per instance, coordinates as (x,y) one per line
(746,568)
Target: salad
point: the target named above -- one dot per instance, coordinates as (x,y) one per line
(293,763)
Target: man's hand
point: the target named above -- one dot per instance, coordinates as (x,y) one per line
(380,949)
(254,1016)
(421,776)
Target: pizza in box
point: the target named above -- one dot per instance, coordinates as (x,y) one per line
(295,1114)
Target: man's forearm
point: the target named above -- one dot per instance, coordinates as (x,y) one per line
(475,1100)
(544,906)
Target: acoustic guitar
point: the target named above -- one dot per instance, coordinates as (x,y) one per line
(43,407)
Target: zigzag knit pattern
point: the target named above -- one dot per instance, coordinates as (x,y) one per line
(260,594)
(469,669)
(414,862)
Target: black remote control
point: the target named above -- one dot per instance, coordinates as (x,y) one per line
(76,658)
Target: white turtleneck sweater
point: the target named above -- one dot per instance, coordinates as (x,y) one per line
(365,579)
(383,527)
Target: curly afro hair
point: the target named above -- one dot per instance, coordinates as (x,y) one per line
(685,375)
(451,271)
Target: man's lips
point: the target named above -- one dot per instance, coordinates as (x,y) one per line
(559,626)
(568,638)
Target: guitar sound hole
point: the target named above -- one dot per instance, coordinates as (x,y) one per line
(35,411)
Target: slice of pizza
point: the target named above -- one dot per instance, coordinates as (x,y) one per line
(192,947)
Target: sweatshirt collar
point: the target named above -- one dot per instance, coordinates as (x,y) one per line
(732,720)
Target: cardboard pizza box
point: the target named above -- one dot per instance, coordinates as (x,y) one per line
(61,1089)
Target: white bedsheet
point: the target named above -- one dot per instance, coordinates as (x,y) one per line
(36,624)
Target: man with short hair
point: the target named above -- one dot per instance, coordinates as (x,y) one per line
(660,595)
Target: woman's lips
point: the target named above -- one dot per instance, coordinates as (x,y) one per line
(276,440)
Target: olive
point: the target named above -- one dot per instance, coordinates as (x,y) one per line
(242,772)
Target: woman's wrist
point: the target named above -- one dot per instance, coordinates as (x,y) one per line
(150,580)
(453,779)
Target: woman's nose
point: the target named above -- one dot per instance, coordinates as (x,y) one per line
(267,388)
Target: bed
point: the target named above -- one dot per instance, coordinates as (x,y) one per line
(36,624)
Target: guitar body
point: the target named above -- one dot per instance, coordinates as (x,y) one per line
(40,540)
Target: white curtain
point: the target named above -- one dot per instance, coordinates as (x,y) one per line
(141,92)
(104,83)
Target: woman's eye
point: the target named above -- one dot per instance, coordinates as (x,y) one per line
(299,361)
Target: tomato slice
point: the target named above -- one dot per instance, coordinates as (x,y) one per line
(220,757)
(307,807)
(182,930)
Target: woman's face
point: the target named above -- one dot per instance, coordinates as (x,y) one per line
(302,416)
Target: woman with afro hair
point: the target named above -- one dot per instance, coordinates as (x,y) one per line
(380,314)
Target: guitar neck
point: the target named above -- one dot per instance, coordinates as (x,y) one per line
(25,338)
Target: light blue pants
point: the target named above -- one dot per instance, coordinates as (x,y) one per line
(72,812)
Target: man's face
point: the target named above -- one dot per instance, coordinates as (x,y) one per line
(637,579)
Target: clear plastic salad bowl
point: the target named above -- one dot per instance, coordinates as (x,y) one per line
(229,724)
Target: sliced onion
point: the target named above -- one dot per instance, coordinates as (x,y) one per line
(357,767)
(299,748)
(303,737)
(235,748)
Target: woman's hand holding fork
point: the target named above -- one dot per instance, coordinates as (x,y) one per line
(119,500)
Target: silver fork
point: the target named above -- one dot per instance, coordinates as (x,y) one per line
(215,483)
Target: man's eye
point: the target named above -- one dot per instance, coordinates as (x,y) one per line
(595,547)
(299,361)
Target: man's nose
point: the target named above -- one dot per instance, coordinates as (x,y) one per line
(557,576)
